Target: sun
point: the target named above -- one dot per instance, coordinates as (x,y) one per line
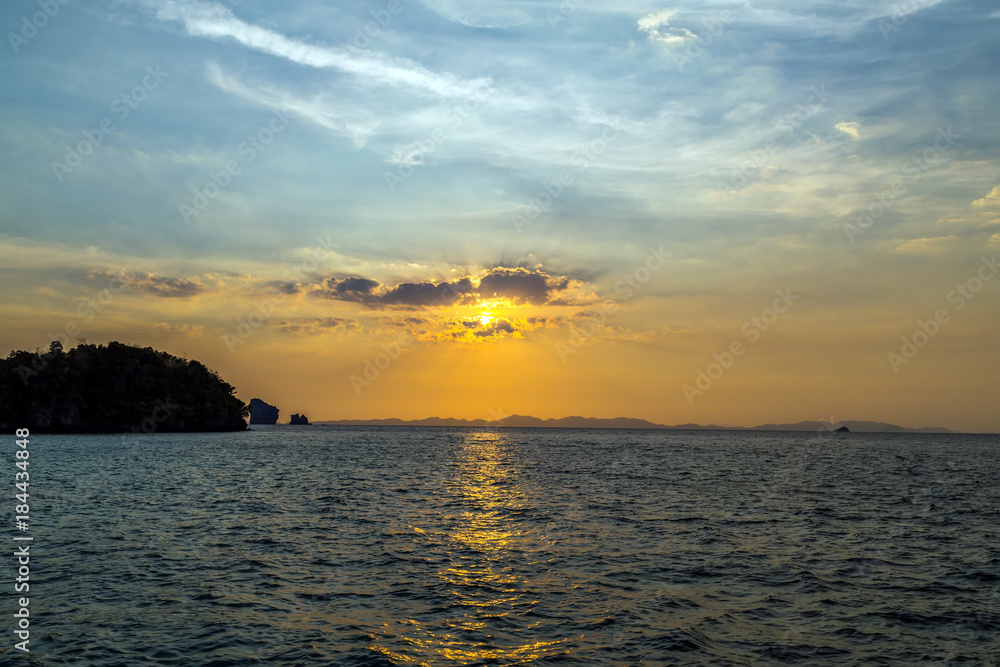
(485,319)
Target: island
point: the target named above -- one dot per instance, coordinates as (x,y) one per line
(299,420)
(262,413)
(114,388)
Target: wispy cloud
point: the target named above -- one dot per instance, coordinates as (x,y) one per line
(323,109)
(480,13)
(221,24)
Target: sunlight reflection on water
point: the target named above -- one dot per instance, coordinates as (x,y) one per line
(484,551)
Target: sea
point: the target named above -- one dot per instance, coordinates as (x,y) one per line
(322,545)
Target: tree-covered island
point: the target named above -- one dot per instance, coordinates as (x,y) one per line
(115,388)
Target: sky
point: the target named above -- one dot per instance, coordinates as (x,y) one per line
(720,213)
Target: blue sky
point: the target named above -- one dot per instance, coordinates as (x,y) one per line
(744,138)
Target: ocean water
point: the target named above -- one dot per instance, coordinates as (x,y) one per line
(389,546)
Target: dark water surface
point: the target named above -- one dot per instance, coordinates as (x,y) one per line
(322,545)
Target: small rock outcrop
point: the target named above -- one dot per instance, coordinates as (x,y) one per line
(299,420)
(843,429)
(262,413)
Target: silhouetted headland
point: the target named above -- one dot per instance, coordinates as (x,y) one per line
(114,389)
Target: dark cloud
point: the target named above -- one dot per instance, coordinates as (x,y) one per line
(283,287)
(403,295)
(520,284)
(427,294)
(355,285)
(352,288)
(516,284)
(497,328)
(405,321)
(167,288)
(317,325)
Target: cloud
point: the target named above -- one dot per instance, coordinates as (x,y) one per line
(181,330)
(351,289)
(343,119)
(929,244)
(475,330)
(167,288)
(479,13)
(991,200)
(310,326)
(220,24)
(284,287)
(983,215)
(405,321)
(656,27)
(850,128)
(652,22)
(516,285)
(426,294)
(520,284)
(403,295)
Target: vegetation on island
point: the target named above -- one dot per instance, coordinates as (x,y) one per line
(116,388)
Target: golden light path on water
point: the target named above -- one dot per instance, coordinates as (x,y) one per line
(485,556)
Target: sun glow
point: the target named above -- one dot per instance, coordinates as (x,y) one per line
(485,319)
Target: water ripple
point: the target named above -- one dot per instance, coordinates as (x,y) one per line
(377,547)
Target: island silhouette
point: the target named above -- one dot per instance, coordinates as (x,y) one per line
(116,388)
(262,413)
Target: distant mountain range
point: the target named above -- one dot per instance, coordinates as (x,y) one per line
(519,421)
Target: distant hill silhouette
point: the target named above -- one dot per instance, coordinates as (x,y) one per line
(114,389)
(520,421)
(854,426)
